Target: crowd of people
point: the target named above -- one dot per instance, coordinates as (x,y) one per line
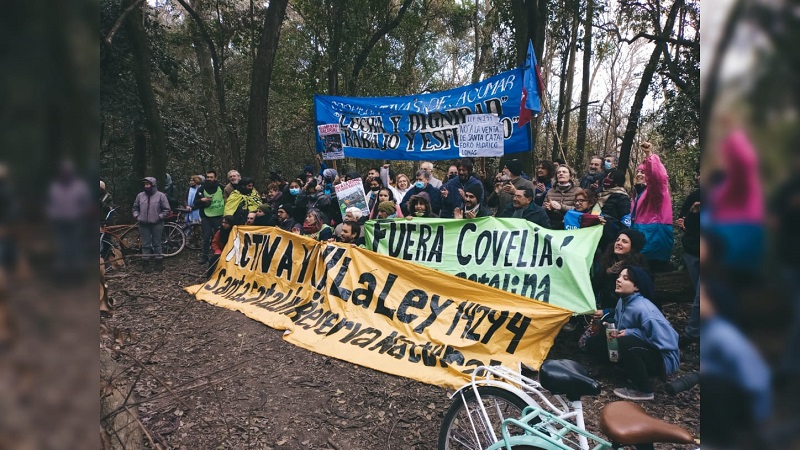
(636,238)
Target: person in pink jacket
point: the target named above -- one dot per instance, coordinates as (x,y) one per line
(652,211)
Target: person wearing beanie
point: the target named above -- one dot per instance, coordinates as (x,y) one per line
(626,250)
(386,210)
(648,345)
(264,216)
(472,206)
(284,218)
(510,183)
(453,190)
(150,209)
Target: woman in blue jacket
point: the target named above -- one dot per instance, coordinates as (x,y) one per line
(648,345)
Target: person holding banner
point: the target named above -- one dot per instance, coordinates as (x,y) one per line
(422,185)
(512,181)
(453,190)
(523,207)
(586,212)
(561,198)
(285,220)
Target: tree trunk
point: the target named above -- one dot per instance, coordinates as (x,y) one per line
(644,84)
(141,71)
(573,48)
(586,86)
(562,90)
(258,111)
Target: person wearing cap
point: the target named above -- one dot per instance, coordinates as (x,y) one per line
(284,216)
(648,345)
(453,190)
(652,211)
(419,205)
(422,185)
(510,182)
(626,250)
(150,209)
(472,207)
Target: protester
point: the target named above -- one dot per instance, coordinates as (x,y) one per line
(195,182)
(69,205)
(315,226)
(295,208)
(511,180)
(233,181)
(472,206)
(545,172)
(419,205)
(689,222)
(386,195)
(561,198)
(386,210)
(210,201)
(242,200)
(453,191)
(220,240)
(403,185)
(586,212)
(626,251)
(264,216)
(351,234)
(452,172)
(372,186)
(284,216)
(523,207)
(251,218)
(351,214)
(593,179)
(274,195)
(427,166)
(106,203)
(652,212)
(648,345)
(422,185)
(150,209)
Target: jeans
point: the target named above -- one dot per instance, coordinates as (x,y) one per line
(151,240)
(693,267)
(639,359)
(210,226)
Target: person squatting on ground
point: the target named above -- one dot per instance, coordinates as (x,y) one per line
(150,209)
(648,345)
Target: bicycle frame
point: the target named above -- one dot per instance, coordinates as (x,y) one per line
(525,388)
(552,439)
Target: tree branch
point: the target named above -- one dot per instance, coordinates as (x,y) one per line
(612,28)
(108,38)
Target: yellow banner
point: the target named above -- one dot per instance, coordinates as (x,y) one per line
(378,311)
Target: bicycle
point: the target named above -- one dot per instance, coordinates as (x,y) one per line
(624,423)
(126,239)
(193,231)
(496,393)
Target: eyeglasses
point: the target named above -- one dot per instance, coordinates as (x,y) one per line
(580,200)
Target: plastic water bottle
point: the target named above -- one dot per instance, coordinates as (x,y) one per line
(613,345)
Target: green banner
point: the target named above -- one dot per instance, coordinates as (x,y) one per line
(509,254)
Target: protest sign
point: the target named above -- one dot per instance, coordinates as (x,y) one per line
(332,141)
(515,255)
(423,126)
(481,135)
(351,193)
(377,311)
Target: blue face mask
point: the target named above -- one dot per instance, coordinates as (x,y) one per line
(294,191)
(607,165)
(419,185)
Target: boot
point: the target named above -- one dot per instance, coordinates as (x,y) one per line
(146,267)
(158,265)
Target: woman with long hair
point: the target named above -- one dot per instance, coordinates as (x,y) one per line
(626,250)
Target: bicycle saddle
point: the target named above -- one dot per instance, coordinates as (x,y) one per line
(627,423)
(567,377)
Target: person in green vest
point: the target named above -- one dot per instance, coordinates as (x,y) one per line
(211,203)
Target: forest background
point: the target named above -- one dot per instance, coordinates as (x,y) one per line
(193,84)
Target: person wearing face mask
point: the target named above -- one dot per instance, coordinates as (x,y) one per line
(210,200)
(290,198)
(609,163)
(453,190)
(422,185)
(561,198)
(452,172)
(372,186)
(593,179)
(510,182)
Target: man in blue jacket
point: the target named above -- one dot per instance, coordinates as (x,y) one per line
(422,185)
(453,190)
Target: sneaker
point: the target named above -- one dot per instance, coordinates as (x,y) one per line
(633,394)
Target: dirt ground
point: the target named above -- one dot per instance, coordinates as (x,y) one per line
(205,377)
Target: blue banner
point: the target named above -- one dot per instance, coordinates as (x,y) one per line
(422,126)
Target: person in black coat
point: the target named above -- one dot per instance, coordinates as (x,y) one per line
(423,185)
(523,207)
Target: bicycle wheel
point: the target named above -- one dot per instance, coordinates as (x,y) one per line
(172,240)
(112,255)
(194,237)
(463,426)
